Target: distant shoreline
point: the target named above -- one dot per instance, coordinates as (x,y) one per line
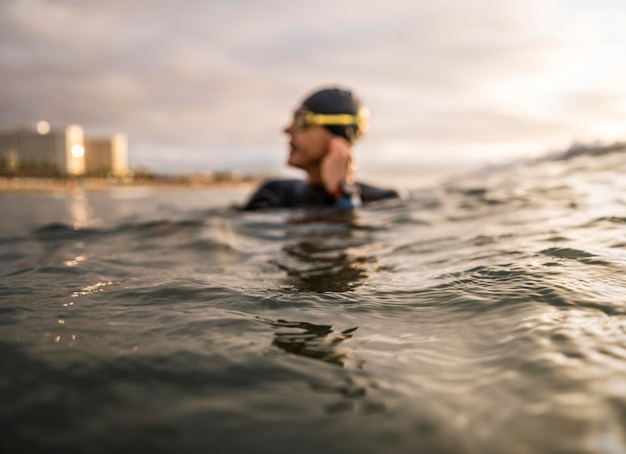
(45,184)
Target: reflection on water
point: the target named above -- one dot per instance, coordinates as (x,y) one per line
(320,342)
(327,255)
(314,341)
(330,258)
(80,211)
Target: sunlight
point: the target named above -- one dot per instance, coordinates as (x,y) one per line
(75,150)
(43,127)
(78,151)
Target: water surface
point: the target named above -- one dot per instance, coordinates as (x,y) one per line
(486,315)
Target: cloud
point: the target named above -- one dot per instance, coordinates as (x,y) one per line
(601,103)
(209,78)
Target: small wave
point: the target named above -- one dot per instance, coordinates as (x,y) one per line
(150,229)
(611,219)
(59,231)
(162,227)
(566,253)
(577,150)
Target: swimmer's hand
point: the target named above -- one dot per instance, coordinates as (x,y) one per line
(338,165)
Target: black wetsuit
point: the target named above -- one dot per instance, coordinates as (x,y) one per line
(302,194)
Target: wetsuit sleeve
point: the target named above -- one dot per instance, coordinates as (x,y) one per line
(264,197)
(300,194)
(372,193)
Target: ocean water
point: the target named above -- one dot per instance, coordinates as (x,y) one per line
(483,315)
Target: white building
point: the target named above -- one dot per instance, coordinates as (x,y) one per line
(106,155)
(42,150)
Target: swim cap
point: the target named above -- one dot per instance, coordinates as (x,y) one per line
(336,100)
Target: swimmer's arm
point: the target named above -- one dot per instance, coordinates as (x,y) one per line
(337,171)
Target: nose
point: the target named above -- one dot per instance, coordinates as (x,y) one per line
(288,129)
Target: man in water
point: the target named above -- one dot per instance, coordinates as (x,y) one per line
(321,135)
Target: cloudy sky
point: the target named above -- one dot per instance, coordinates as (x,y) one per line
(201,85)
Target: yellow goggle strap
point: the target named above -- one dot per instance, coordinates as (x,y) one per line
(360,120)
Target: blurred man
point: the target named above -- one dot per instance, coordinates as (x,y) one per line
(321,135)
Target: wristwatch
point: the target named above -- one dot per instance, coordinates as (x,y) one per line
(347,195)
(345,190)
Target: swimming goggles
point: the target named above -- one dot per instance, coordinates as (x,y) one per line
(304,120)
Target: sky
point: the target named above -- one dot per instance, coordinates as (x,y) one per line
(209,85)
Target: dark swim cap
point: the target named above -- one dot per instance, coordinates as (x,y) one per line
(336,101)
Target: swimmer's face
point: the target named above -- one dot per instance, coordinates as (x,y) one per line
(307,146)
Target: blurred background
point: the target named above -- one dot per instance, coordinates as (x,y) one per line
(208,85)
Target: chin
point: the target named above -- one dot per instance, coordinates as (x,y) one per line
(293,162)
